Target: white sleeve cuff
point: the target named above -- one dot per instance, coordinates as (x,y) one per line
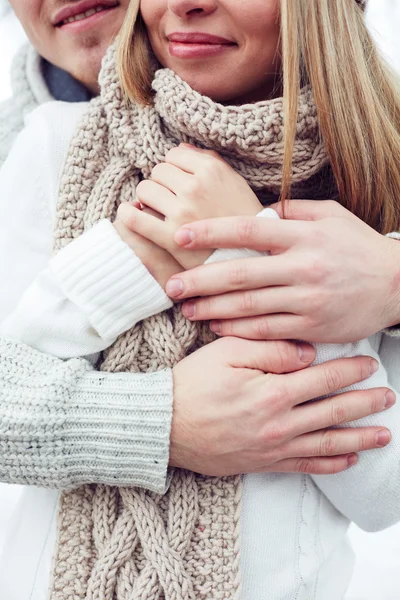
(234,253)
(101,275)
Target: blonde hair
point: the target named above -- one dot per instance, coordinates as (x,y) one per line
(357,97)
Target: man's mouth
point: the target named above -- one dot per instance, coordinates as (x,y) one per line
(83,10)
(84,15)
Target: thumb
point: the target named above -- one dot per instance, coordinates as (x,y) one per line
(267,356)
(309,210)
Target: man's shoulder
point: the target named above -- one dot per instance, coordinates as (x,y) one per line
(28,90)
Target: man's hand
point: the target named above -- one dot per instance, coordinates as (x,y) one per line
(239,408)
(330,277)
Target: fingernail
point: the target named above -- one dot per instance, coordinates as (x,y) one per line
(174,288)
(306,352)
(189,309)
(186,145)
(383,438)
(352,460)
(215,326)
(374,366)
(390,399)
(184,237)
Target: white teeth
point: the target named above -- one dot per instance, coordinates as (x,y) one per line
(84,15)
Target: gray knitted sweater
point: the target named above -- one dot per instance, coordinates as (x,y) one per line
(63,424)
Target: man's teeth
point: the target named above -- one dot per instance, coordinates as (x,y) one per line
(84,15)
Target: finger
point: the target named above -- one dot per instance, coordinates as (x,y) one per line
(338,410)
(313,466)
(270,357)
(266,327)
(240,274)
(231,275)
(146,225)
(245,304)
(335,442)
(327,378)
(155,196)
(265,235)
(151,212)
(171,177)
(188,157)
(310,210)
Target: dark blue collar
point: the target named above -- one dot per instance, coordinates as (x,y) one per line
(62,86)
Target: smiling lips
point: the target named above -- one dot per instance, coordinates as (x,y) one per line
(197,45)
(85,11)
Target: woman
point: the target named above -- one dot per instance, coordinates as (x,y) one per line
(309,576)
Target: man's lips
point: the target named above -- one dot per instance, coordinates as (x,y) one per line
(82,10)
(197,45)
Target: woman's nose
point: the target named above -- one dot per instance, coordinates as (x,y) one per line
(186,8)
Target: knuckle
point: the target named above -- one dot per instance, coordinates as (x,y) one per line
(227,328)
(376,400)
(339,413)
(279,396)
(333,207)
(172,152)
(247,228)
(284,355)
(272,437)
(126,214)
(333,379)
(238,275)
(328,445)
(261,328)
(365,442)
(142,187)
(318,270)
(305,465)
(247,302)
(157,170)
(193,187)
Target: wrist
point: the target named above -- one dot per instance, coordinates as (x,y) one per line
(392,312)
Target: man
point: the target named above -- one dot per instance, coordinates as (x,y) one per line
(69,40)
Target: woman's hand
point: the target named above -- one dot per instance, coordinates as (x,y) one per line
(230,417)
(330,278)
(160,263)
(191,184)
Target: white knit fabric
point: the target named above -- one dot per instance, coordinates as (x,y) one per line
(92,291)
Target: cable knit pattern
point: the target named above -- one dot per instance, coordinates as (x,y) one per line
(185,544)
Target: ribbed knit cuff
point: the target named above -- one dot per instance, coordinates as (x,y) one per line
(234,253)
(116,439)
(62,424)
(105,279)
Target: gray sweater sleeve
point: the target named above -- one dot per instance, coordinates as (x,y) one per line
(63,424)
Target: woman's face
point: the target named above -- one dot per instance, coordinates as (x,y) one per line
(224,49)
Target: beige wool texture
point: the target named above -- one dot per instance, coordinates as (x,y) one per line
(131,544)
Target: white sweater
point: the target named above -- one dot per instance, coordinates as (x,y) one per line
(293,541)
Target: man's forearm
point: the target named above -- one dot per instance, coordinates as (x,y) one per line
(62,424)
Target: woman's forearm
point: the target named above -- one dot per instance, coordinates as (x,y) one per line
(62,424)
(93,290)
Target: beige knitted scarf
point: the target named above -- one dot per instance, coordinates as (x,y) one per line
(131,544)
